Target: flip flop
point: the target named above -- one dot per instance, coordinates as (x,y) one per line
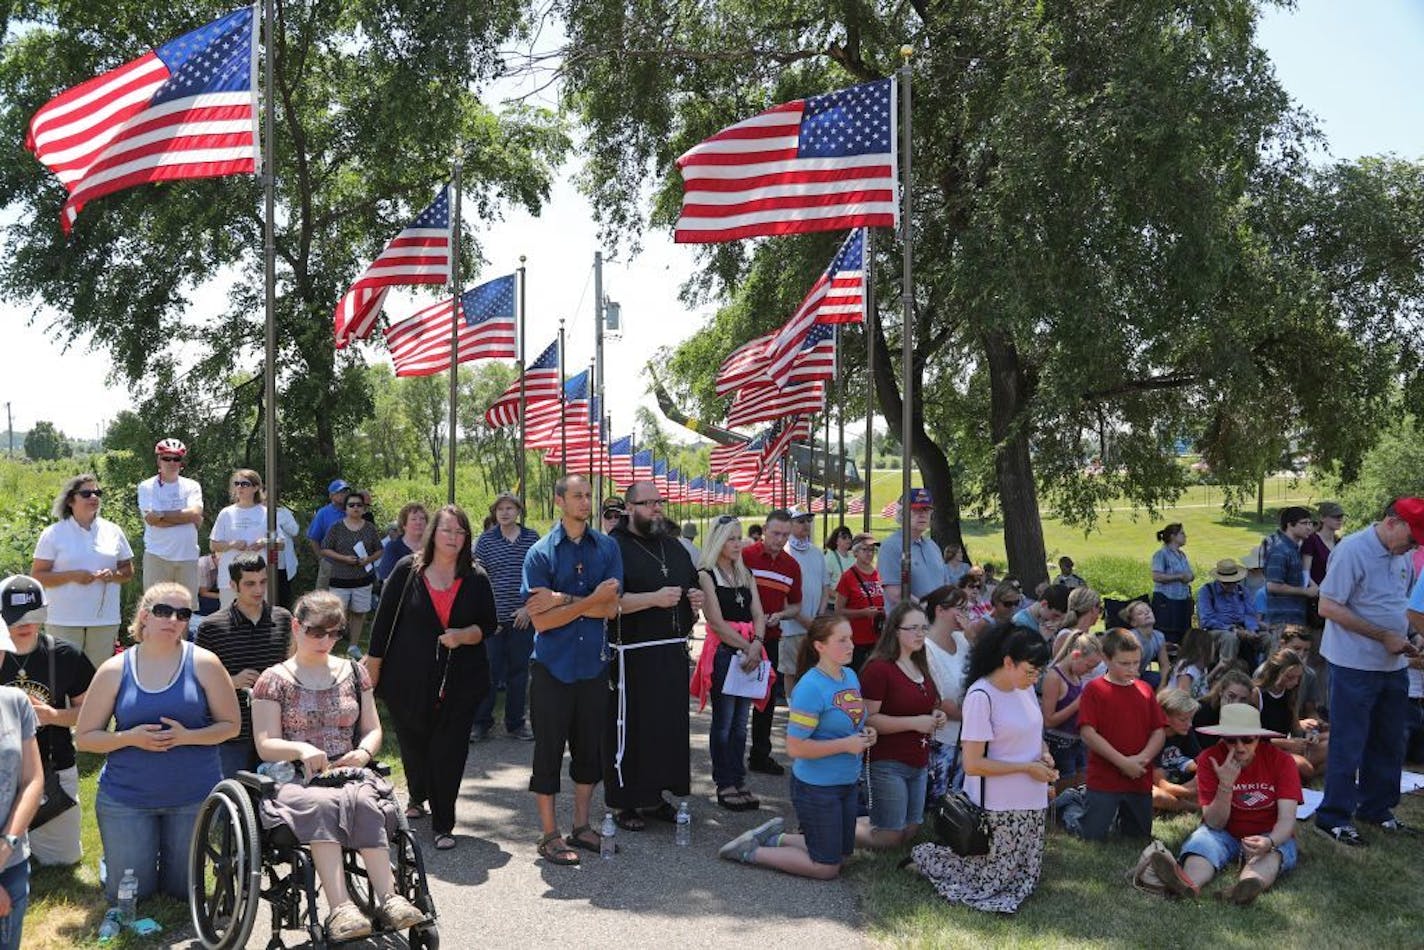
(415,811)
(578,839)
(556,850)
(736,801)
(629,820)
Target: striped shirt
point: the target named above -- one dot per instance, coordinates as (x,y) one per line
(778,578)
(243,645)
(503,561)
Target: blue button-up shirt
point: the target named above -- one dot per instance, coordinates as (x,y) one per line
(1365,577)
(574,652)
(926,564)
(1284,566)
(1218,609)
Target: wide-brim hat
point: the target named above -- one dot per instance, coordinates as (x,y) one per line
(1239,720)
(863,536)
(1229,571)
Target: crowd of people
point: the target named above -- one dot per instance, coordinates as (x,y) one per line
(1299,663)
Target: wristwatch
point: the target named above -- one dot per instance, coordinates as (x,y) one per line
(13,841)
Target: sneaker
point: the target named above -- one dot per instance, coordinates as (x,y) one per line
(766,766)
(1343,834)
(1170,876)
(1396,827)
(741,848)
(397,913)
(480,733)
(522,732)
(347,922)
(768,831)
(112,926)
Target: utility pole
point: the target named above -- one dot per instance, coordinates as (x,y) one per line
(10,426)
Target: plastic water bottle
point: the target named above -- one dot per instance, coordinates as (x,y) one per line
(608,846)
(128,897)
(354,651)
(682,834)
(279,772)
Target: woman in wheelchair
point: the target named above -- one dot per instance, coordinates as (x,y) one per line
(318,709)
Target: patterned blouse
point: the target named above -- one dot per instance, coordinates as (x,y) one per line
(323,717)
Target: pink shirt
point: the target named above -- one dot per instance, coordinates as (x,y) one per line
(1012,723)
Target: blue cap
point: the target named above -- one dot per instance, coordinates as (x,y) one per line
(920,498)
(337,486)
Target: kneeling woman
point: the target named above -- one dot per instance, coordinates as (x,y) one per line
(1008,770)
(311,708)
(826,737)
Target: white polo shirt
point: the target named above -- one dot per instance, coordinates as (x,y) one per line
(178,542)
(71,547)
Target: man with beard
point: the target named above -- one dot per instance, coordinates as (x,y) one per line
(645,748)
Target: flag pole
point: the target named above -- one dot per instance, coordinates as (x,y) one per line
(870,374)
(840,426)
(826,478)
(598,477)
(519,367)
(907,301)
(597,360)
(269,280)
(455,317)
(563,433)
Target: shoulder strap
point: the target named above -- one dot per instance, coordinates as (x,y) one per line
(959,741)
(56,693)
(400,605)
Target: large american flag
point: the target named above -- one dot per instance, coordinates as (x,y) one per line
(816,164)
(541,384)
(744,364)
(185,110)
(620,457)
(856,506)
(765,402)
(549,425)
(418,255)
(420,344)
(817,358)
(837,296)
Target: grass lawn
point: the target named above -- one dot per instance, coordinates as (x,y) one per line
(1336,897)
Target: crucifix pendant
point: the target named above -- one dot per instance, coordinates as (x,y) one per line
(740,602)
(664,567)
(578,569)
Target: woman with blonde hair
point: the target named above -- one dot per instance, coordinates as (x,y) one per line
(1276,686)
(241,526)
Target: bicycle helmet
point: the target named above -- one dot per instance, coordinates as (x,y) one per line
(170,447)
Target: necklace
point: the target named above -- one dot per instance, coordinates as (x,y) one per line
(662,561)
(736,591)
(21,662)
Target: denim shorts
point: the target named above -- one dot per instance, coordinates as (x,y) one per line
(1220,848)
(1070,755)
(827,817)
(897,794)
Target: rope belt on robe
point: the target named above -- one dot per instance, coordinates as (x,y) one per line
(623,694)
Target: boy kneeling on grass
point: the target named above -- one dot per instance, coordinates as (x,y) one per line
(1249,790)
(1174,774)
(1123,728)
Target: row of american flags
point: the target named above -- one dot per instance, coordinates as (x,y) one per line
(189,109)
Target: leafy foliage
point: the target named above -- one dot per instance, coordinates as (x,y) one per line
(45,443)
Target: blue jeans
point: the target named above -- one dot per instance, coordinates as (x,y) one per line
(1414,732)
(16,881)
(826,814)
(897,794)
(1368,712)
(152,841)
(236,757)
(509,651)
(727,740)
(1220,848)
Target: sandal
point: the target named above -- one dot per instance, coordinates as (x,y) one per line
(735,801)
(664,812)
(629,820)
(556,850)
(580,838)
(753,803)
(444,842)
(415,810)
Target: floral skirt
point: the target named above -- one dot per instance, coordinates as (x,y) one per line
(998,881)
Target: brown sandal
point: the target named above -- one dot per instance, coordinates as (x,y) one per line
(554,849)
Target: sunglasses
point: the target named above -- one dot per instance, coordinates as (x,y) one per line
(329,633)
(1239,740)
(170,458)
(244,483)
(90,493)
(649,501)
(355,504)
(726,519)
(168,611)
(611,514)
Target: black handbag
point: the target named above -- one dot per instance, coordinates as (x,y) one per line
(56,801)
(960,824)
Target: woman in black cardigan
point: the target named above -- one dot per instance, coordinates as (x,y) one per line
(428,664)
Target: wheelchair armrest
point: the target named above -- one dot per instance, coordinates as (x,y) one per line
(380,768)
(262,785)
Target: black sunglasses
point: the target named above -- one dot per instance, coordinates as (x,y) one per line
(90,493)
(167,611)
(355,504)
(244,483)
(170,458)
(1239,740)
(331,633)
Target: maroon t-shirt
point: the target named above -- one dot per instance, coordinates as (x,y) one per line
(1126,716)
(884,682)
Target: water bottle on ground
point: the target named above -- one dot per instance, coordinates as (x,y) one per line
(128,897)
(608,846)
(682,835)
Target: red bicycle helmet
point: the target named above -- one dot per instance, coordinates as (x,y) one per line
(170,447)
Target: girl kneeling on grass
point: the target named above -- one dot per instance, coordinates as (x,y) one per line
(826,737)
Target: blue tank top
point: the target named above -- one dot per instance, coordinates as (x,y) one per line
(1069,726)
(180,776)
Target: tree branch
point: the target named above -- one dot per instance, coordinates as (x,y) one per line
(1150,384)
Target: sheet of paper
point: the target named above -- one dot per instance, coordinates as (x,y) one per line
(751,685)
(359,549)
(1307,808)
(1410,782)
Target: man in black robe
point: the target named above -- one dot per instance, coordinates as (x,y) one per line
(646,744)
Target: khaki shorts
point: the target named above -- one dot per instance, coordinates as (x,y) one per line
(156,570)
(786,652)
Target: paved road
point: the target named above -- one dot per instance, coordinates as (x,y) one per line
(492,890)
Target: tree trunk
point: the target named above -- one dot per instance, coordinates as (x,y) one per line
(1011,391)
(931,460)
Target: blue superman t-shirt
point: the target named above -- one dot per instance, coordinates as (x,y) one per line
(825,708)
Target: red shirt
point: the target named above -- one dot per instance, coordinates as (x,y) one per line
(443,600)
(1270,777)
(861,591)
(1126,716)
(898,695)
(778,580)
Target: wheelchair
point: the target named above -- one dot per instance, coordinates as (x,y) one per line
(231,851)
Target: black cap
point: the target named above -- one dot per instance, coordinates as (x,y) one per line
(22,600)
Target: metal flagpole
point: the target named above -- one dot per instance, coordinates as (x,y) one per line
(563,433)
(825,479)
(840,426)
(519,366)
(907,300)
(455,317)
(597,359)
(869,374)
(269,280)
(598,478)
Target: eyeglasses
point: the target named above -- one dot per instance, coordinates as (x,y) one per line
(170,458)
(611,514)
(1239,740)
(329,633)
(915,628)
(453,532)
(355,504)
(244,483)
(168,611)
(649,501)
(90,493)
(725,519)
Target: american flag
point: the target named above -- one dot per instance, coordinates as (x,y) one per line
(620,456)
(817,358)
(418,255)
(838,296)
(779,438)
(185,110)
(746,363)
(643,465)
(549,425)
(723,455)
(765,403)
(856,506)
(420,344)
(541,384)
(816,164)
(891,511)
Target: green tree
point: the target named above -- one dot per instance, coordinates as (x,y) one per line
(1118,240)
(44,442)
(427,410)
(372,97)
(494,451)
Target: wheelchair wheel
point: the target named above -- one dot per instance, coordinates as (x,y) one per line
(225,868)
(424,937)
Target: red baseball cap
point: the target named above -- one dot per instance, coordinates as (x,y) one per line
(1411,510)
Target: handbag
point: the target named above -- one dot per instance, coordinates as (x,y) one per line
(959,823)
(55,801)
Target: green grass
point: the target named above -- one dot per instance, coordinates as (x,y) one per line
(1336,897)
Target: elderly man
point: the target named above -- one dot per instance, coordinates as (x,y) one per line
(1365,601)
(1226,612)
(813,595)
(172,509)
(926,559)
(321,523)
